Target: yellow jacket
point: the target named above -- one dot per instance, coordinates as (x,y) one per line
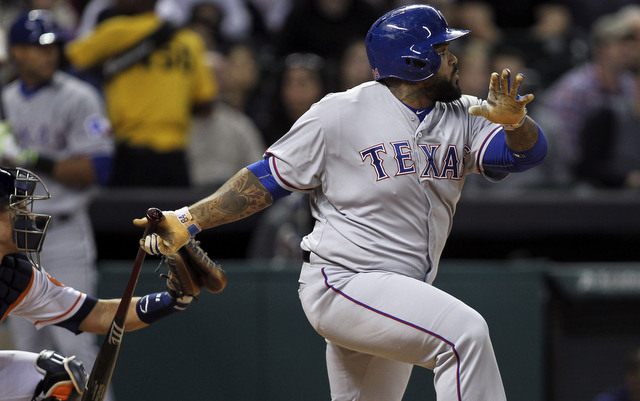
(150,103)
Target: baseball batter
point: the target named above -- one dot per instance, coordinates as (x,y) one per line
(61,120)
(27,291)
(385,163)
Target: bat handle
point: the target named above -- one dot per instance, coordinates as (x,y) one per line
(104,365)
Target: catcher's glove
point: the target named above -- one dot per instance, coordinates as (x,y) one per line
(191,269)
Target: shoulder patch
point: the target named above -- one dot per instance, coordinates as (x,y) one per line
(97,125)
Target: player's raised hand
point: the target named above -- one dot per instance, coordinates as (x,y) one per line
(504,105)
(171,234)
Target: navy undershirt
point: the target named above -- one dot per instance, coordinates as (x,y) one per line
(421,113)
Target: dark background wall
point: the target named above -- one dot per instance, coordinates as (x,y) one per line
(252,341)
(554,336)
(552,225)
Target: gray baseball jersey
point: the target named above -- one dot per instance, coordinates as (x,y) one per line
(384,188)
(62,119)
(384,185)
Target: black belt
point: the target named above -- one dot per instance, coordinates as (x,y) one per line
(305,256)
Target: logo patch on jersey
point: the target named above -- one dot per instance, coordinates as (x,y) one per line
(441,165)
(97,126)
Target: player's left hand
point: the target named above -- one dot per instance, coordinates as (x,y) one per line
(504,105)
(170,235)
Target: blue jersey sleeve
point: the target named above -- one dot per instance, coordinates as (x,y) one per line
(499,159)
(102,167)
(263,172)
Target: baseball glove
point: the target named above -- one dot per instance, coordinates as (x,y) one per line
(504,105)
(191,269)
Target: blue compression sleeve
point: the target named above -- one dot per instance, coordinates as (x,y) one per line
(102,167)
(263,172)
(499,158)
(153,307)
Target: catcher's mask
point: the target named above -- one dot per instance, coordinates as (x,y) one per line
(19,188)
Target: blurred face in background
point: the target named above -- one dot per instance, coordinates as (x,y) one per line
(334,9)
(301,87)
(243,71)
(354,66)
(7,245)
(302,83)
(616,54)
(475,72)
(36,64)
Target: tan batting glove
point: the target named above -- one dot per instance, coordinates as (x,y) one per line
(172,233)
(504,105)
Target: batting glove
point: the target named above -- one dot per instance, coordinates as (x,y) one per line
(11,152)
(503,105)
(172,233)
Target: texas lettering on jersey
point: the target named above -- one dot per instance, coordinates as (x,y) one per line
(442,162)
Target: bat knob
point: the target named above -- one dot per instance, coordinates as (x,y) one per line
(154,214)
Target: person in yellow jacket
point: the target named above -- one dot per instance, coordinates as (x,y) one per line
(151,102)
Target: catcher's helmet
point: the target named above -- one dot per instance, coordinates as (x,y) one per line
(37,27)
(19,188)
(400,43)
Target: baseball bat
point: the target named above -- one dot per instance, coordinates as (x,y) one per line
(105,363)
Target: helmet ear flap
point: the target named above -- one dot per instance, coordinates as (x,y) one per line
(417,65)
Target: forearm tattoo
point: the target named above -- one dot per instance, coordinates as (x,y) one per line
(240,197)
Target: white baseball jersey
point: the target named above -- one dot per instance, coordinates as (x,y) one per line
(18,375)
(384,185)
(47,301)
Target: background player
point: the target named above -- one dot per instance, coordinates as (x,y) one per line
(29,292)
(385,163)
(150,104)
(59,129)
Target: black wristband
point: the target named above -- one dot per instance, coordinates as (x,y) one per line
(44,165)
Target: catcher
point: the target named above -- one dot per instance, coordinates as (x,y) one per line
(27,290)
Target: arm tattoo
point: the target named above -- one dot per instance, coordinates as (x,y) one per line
(240,197)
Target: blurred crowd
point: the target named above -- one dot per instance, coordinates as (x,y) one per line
(270,60)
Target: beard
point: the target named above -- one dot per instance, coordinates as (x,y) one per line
(441,89)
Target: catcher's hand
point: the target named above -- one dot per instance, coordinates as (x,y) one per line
(504,105)
(172,233)
(191,269)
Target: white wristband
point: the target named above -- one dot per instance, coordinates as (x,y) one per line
(511,127)
(187,220)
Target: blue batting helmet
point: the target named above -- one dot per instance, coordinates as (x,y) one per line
(400,43)
(37,27)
